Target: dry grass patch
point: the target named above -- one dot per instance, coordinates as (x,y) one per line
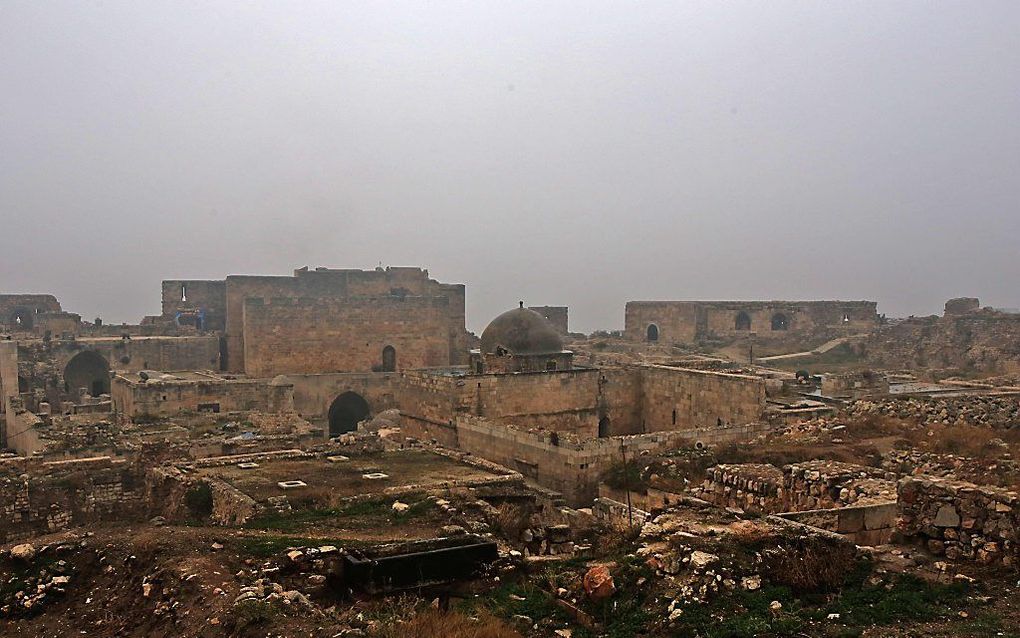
(436,624)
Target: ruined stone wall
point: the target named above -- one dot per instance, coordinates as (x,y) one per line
(871,524)
(163,398)
(999,410)
(284,336)
(823,484)
(620,401)
(691,321)
(961,520)
(679,399)
(571,468)
(43,364)
(757,488)
(189,295)
(985,341)
(812,485)
(41,498)
(26,308)
(557,316)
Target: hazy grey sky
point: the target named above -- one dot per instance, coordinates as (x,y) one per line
(578,153)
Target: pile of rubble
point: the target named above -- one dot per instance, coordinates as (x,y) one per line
(702,552)
(961,520)
(999,471)
(995,411)
(34,577)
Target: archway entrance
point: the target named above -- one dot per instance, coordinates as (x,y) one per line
(742,321)
(88,370)
(653,332)
(346,411)
(389,359)
(780,321)
(604,425)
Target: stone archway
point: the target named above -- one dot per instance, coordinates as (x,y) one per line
(346,411)
(652,332)
(780,321)
(90,370)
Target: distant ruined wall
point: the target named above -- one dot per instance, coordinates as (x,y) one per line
(557,316)
(985,341)
(186,295)
(692,321)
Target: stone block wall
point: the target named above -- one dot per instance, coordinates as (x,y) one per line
(813,485)
(557,316)
(162,398)
(189,295)
(41,498)
(680,399)
(872,524)
(961,520)
(691,321)
(823,484)
(337,285)
(753,487)
(284,336)
(26,308)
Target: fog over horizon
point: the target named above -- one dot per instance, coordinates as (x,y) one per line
(569,153)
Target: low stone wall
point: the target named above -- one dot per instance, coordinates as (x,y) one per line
(40,498)
(961,520)
(872,524)
(814,485)
(826,484)
(617,514)
(756,488)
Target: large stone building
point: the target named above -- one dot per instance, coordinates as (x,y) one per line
(694,321)
(326,320)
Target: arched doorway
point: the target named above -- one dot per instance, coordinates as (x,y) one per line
(89,370)
(742,321)
(780,321)
(346,411)
(21,319)
(604,425)
(653,332)
(389,359)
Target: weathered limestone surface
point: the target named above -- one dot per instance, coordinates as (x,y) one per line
(961,520)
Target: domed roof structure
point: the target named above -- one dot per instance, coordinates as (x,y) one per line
(521,331)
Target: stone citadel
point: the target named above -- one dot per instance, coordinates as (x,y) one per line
(258,403)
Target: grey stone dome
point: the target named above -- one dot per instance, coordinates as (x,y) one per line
(521,331)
